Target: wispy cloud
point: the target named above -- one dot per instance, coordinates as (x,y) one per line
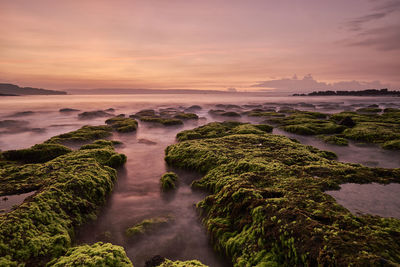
(384,39)
(378,12)
(308,83)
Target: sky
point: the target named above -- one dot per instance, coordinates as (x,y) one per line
(200,44)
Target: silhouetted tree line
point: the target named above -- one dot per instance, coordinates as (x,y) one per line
(367,92)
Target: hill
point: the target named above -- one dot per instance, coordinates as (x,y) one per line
(12,89)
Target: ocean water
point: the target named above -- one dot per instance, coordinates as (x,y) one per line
(137,195)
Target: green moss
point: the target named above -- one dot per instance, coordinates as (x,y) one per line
(37,154)
(218,129)
(70,189)
(335,140)
(122,124)
(192,263)
(373,132)
(101,144)
(186,116)
(84,134)
(369,110)
(268,207)
(163,121)
(98,254)
(220,112)
(394,144)
(265,114)
(146,226)
(168,181)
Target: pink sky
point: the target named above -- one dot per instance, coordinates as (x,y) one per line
(207,44)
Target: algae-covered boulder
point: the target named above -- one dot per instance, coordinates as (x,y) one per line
(163,121)
(218,129)
(98,254)
(87,115)
(168,180)
(267,205)
(147,226)
(70,190)
(37,154)
(223,113)
(84,134)
(122,124)
(192,263)
(335,140)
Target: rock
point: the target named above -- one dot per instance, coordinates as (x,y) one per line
(68,110)
(348,122)
(155,261)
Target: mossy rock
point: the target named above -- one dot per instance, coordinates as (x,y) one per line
(369,110)
(36,154)
(186,116)
(192,263)
(84,134)
(218,129)
(122,124)
(163,121)
(98,254)
(219,112)
(335,140)
(168,181)
(394,144)
(70,190)
(267,205)
(146,226)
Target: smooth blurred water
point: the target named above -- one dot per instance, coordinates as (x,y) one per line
(137,193)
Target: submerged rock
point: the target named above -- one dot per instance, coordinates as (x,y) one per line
(22,113)
(347,121)
(93,114)
(168,181)
(146,226)
(122,124)
(68,110)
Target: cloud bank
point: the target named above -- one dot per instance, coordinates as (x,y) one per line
(308,83)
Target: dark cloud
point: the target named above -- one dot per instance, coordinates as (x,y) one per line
(308,83)
(356,24)
(384,39)
(379,12)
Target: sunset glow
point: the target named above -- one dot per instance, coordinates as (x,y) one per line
(197,44)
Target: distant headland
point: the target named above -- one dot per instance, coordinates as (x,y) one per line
(367,92)
(8,89)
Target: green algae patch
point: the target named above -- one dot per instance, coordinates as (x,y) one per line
(335,140)
(166,117)
(394,144)
(268,207)
(36,154)
(186,116)
(70,189)
(98,254)
(192,263)
(218,129)
(168,180)
(84,134)
(369,110)
(367,127)
(221,112)
(147,226)
(122,124)
(163,121)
